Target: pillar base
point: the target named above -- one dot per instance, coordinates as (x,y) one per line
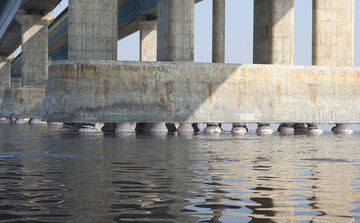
(342,129)
(264,129)
(108,127)
(139,127)
(185,128)
(6,121)
(88,128)
(125,128)
(299,128)
(212,129)
(69,127)
(155,128)
(239,129)
(286,129)
(20,121)
(171,127)
(314,129)
(34,121)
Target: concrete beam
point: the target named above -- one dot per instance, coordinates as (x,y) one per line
(93,91)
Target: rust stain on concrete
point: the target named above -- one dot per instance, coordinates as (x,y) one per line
(239,103)
(313,92)
(271,106)
(169,90)
(210,91)
(162,100)
(106,84)
(7,93)
(278,92)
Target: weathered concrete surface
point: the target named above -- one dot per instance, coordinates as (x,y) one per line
(148,40)
(34,31)
(93,30)
(218,37)
(5,74)
(85,91)
(22,103)
(175,30)
(15,82)
(333,32)
(273,32)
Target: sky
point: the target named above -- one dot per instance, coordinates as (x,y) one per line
(238,34)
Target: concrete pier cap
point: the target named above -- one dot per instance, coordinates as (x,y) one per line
(114,91)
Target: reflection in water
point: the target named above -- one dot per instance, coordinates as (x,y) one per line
(46,176)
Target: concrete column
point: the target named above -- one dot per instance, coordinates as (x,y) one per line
(218,36)
(333,38)
(148,40)
(175,38)
(273,37)
(93,29)
(93,32)
(175,30)
(273,32)
(333,33)
(34,31)
(5,73)
(5,76)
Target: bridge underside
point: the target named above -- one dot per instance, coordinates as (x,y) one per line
(99,91)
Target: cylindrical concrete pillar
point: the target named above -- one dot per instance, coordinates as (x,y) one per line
(148,40)
(273,32)
(5,74)
(175,40)
(218,36)
(333,33)
(34,51)
(333,38)
(93,29)
(5,70)
(273,37)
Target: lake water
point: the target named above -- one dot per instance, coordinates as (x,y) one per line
(47,176)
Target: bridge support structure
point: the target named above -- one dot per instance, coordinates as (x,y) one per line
(25,101)
(218,49)
(273,41)
(175,42)
(92,36)
(333,38)
(189,92)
